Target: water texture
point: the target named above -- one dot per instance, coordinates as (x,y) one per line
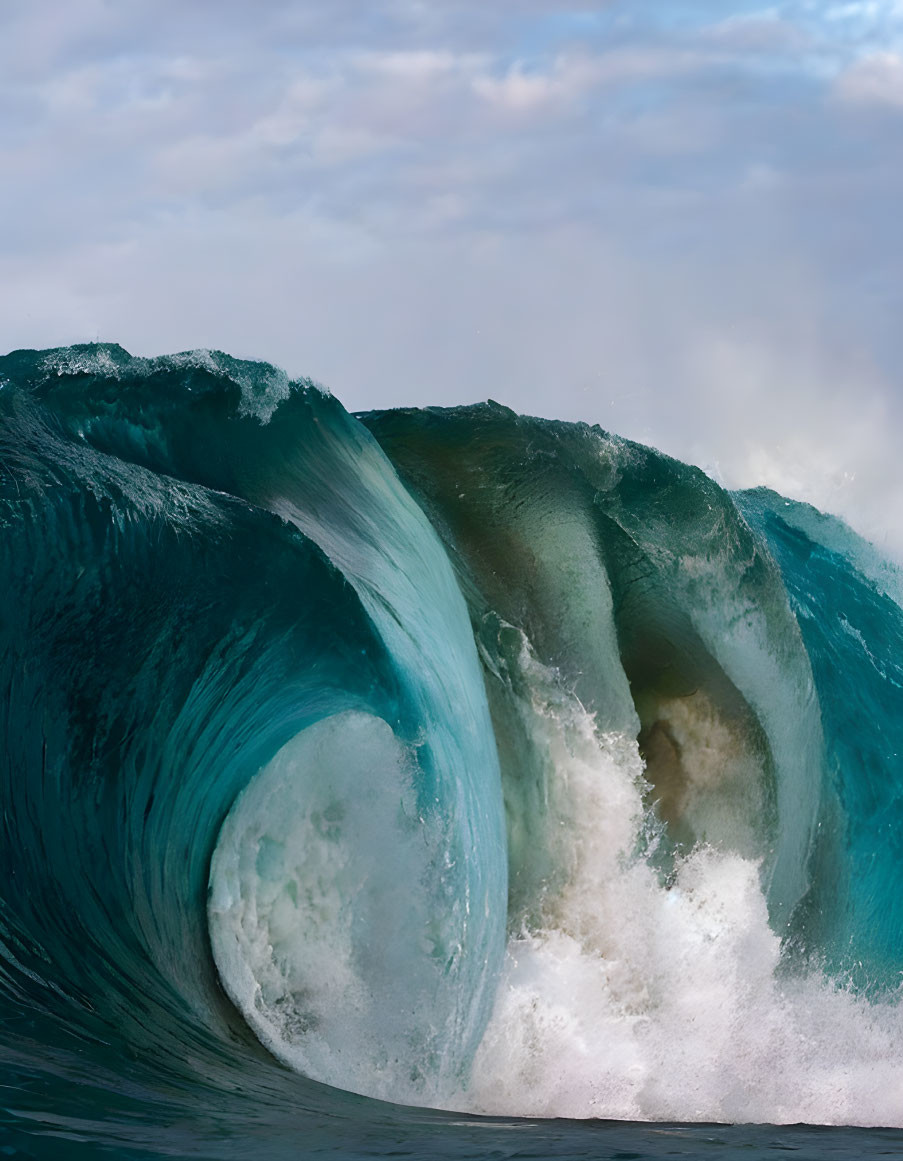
(437,782)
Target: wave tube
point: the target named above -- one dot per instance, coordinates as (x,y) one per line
(200,593)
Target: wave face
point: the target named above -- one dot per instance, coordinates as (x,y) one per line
(451,758)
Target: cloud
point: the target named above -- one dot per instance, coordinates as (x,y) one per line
(875,79)
(660,217)
(758,32)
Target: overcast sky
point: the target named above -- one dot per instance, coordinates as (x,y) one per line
(678,218)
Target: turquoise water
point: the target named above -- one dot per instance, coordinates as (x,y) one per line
(361,768)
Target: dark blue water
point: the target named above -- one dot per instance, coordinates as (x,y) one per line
(359,767)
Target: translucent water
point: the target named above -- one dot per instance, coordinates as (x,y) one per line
(357,769)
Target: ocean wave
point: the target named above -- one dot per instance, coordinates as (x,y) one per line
(447,758)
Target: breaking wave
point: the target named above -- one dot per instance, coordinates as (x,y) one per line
(452,758)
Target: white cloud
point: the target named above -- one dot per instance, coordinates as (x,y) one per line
(875,79)
(295,110)
(620,212)
(758,32)
(418,66)
(518,90)
(572,76)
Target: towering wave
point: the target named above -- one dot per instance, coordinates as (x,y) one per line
(447,757)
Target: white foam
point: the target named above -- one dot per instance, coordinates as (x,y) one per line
(637,1000)
(630,998)
(320,911)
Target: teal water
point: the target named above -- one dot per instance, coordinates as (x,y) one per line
(360,768)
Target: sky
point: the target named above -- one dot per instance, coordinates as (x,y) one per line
(677,218)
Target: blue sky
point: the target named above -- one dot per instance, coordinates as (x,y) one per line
(679,220)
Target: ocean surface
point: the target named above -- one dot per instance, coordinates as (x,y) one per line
(430,783)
